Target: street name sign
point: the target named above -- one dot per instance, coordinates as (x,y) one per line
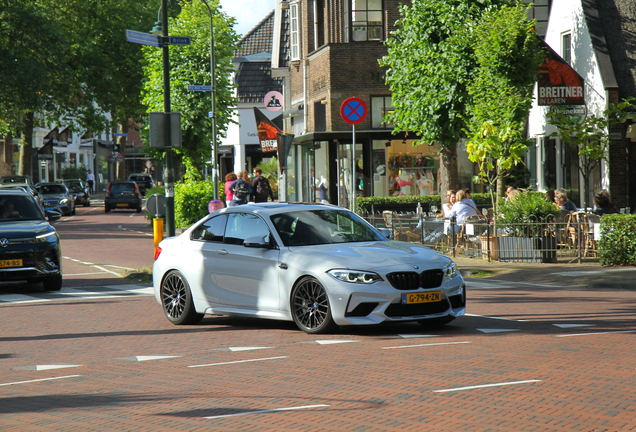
(179,40)
(143,38)
(199,88)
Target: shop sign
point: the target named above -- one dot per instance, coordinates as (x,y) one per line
(558,83)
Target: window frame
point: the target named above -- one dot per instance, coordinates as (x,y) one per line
(349,24)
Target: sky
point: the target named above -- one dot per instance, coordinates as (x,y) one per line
(248,13)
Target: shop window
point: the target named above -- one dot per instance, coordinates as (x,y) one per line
(380,107)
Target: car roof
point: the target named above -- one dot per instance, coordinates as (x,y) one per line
(4,191)
(272,208)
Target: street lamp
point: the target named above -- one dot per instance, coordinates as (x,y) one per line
(214,156)
(169,171)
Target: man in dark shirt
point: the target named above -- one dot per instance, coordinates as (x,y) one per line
(261,186)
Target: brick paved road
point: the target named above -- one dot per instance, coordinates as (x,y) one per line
(117,364)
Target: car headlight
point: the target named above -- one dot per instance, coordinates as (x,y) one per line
(450,270)
(63,200)
(354,276)
(48,237)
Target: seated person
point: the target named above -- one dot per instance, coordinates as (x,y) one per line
(561,199)
(603,204)
(461,209)
(8,210)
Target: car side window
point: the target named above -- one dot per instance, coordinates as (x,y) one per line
(241,226)
(211,230)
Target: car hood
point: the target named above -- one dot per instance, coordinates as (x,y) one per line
(371,255)
(54,196)
(28,228)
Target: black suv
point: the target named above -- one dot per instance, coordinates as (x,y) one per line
(29,245)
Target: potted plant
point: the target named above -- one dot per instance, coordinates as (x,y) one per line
(523,228)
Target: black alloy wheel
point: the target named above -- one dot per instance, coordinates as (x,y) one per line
(310,307)
(176,299)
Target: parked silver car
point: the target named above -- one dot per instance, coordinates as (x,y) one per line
(319,265)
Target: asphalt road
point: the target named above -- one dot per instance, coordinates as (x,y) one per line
(549,356)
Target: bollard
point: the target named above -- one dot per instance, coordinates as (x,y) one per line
(157,229)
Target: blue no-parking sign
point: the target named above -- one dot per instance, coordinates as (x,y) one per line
(353,110)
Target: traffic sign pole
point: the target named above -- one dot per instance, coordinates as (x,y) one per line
(353,110)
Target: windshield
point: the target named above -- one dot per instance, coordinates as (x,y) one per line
(51,189)
(19,208)
(323,227)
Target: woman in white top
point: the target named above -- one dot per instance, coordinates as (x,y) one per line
(461,209)
(448,205)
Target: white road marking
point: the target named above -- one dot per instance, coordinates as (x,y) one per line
(239,361)
(268,411)
(108,271)
(234,349)
(38,380)
(426,345)
(486,385)
(19,298)
(598,333)
(148,358)
(334,341)
(573,325)
(496,330)
(496,318)
(47,367)
(409,336)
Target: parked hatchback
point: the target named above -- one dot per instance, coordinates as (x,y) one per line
(57,197)
(29,246)
(121,194)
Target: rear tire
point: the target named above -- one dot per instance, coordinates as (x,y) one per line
(52,283)
(106,209)
(176,299)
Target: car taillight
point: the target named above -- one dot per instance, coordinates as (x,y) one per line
(108,189)
(136,188)
(157,252)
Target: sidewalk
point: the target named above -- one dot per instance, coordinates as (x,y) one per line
(589,274)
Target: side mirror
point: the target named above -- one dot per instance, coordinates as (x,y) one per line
(53,215)
(386,232)
(261,242)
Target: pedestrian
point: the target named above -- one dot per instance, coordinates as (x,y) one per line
(241,189)
(90,179)
(261,186)
(229,196)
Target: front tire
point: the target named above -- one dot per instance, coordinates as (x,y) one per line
(310,307)
(52,283)
(176,299)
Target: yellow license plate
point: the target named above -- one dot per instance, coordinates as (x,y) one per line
(122,205)
(11,263)
(426,297)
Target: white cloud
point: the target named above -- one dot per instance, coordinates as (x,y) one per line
(248,13)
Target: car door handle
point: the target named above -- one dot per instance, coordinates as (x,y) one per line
(222,252)
(283,266)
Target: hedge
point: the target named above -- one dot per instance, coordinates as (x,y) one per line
(617,245)
(363,204)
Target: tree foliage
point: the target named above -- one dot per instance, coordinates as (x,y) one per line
(190,65)
(430,62)
(507,54)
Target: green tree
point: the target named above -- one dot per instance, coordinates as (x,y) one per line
(507,53)
(430,62)
(591,135)
(190,65)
